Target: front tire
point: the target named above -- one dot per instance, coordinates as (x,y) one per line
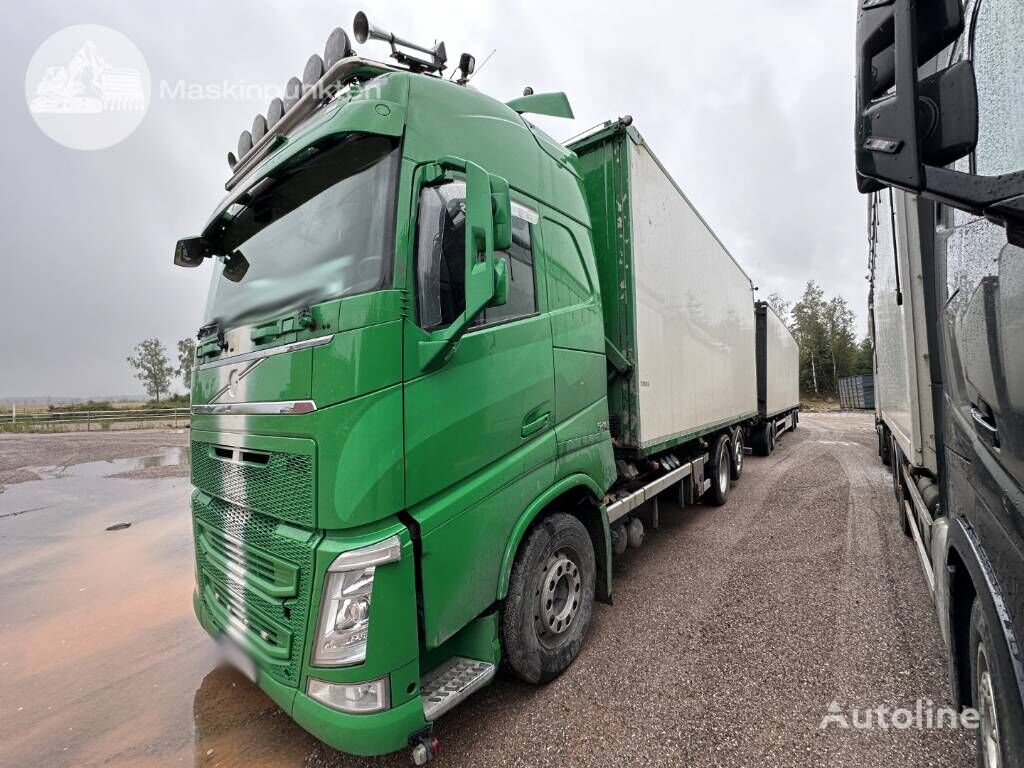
(1000,737)
(550,599)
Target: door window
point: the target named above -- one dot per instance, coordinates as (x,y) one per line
(567,277)
(441,260)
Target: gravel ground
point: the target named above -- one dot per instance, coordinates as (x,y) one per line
(733,628)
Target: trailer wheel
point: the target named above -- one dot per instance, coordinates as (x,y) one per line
(897,489)
(720,472)
(883,446)
(1000,738)
(736,465)
(769,431)
(550,597)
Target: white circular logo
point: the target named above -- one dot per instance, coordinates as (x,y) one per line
(87,87)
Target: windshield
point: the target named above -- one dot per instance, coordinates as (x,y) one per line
(321,230)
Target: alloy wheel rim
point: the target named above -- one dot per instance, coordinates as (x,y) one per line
(559,595)
(723,469)
(988,731)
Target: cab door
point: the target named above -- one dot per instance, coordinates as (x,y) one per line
(479,438)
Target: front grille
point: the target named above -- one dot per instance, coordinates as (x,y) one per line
(255,576)
(272,483)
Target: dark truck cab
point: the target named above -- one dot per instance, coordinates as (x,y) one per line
(940,97)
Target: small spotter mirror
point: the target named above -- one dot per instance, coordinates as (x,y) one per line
(235,266)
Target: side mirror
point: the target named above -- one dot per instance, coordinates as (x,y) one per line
(501,203)
(480,277)
(906,136)
(500,298)
(190,252)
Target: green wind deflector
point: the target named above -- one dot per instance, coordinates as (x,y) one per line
(554,104)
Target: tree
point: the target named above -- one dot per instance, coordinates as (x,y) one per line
(780,305)
(810,334)
(838,321)
(865,362)
(186,357)
(152,367)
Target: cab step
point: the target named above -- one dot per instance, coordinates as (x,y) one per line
(454,680)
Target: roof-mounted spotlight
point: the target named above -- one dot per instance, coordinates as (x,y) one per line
(312,72)
(292,93)
(364,30)
(259,128)
(338,47)
(274,112)
(244,143)
(232,160)
(467,65)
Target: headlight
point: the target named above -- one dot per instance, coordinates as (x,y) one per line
(345,609)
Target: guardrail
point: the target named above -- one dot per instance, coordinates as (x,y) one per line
(88,420)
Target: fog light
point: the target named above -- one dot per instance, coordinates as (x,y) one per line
(354,698)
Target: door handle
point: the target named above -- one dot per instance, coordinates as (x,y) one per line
(984,425)
(533,424)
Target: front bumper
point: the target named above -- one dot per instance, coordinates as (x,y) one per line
(374,734)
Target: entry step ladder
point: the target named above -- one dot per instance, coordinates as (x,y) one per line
(452,682)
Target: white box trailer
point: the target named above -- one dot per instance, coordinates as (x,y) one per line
(679,310)
(778,365)
(903,402)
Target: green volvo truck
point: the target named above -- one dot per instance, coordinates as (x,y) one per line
(448,367)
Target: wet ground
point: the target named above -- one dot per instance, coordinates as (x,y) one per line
(733,628)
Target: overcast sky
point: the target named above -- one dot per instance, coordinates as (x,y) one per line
(748,104)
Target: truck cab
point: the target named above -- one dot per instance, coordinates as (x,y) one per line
(941,110)
(401,365)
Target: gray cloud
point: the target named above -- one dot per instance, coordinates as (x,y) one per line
(749,105)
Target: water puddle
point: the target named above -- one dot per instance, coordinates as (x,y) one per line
(166,457)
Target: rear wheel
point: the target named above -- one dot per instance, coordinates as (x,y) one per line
(883,446)
(720,471)
(897,489)
(550,598)
(1000,738)
(736,468)
(769,430)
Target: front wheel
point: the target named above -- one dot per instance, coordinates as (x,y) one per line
(550,598)
(1000,738)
